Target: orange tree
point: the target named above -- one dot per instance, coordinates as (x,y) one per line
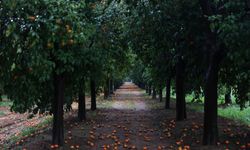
(206,40)
(40,43)
(110,45)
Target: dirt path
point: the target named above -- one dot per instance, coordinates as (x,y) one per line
(132,120)
(129,96)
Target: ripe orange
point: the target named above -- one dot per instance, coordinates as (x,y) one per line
(126,140)
(69,31)
(70,42)
(49,45)
(32,18)
(67,27)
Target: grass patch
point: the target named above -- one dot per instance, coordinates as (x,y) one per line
(6,103)
(234,112)
(196,107)
(231,112)
(30,130)
(221,98)
(2,113)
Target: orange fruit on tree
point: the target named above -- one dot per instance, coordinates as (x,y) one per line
(32,18)
(69,31)
(49,45)
(70,42)
(67,26)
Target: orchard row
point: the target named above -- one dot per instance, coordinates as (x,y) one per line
(53,51)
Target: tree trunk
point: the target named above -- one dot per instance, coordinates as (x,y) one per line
(149,90)
(160,94)
(154,93)
(93,94)
(228,98)
(146,87)
(111,87)
(81,102)
(57,132)
(180,92)
(106,89)
(242,91)
(142,85)
(210,135)
(168,90)
(215,53)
